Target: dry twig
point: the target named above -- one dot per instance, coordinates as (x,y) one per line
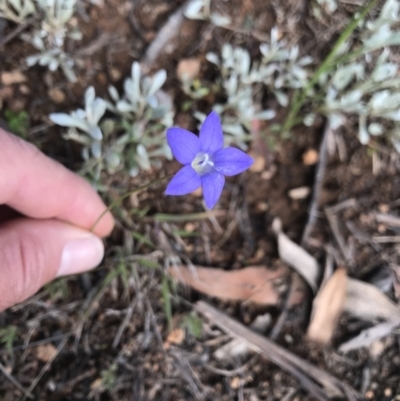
(320,384)
(319,179)
(14,381)
(165,35)
(334,225)
(18,30)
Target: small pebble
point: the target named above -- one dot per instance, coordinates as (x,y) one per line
(235,383)
(56,95)
(310,157)
(24,89)
(115,74)
(102,78)
(262,206)
(299,193)
(383,208)
(376,349)
(258,165)
(188,69)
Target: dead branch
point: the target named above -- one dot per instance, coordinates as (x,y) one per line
(320,384)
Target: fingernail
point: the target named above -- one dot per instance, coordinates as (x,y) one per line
(81,255)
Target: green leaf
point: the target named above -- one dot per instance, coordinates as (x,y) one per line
(8,335)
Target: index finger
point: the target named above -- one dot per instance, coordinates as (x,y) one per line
(40,187)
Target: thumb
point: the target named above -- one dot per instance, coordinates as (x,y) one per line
(34,252)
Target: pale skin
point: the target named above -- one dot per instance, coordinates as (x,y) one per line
(46,216)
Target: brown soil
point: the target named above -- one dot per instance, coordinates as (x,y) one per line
(140,366)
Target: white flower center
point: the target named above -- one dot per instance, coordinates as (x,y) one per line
(202,163)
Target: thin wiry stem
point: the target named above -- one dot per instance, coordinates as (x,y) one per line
(121,198)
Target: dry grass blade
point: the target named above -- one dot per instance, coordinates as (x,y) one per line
(328,306)
(367,302)
(320,384)
(255,284)
(296,257)
(368,336)
(46,367)
(11,378)
(196,387)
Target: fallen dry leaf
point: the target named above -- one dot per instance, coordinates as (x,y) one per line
(12,77)
(367,302)
(368,336)
(387,219)
(327,307)
(188,69)
(237,348)
(46,352)
(256,284)
(296,257)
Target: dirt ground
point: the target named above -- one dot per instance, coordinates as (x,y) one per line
(105,336)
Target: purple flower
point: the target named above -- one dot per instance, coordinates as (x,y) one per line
(205,160)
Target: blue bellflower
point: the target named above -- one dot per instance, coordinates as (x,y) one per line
(205,160)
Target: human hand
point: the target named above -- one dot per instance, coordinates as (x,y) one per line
(49,236)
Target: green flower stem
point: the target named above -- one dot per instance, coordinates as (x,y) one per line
(351,56)
(328,64)
(121,198)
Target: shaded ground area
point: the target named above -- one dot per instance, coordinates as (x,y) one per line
(106,335)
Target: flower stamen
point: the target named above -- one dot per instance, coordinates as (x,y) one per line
(202,163)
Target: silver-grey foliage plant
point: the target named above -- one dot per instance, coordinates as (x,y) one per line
(132,137)
(49,32)
(244,82)
(49,37)
(201,10)
(367,86)
(17,10)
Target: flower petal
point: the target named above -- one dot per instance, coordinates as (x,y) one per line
(212,183)
(184,144)
(231,161)
(211,137)
(186,180)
